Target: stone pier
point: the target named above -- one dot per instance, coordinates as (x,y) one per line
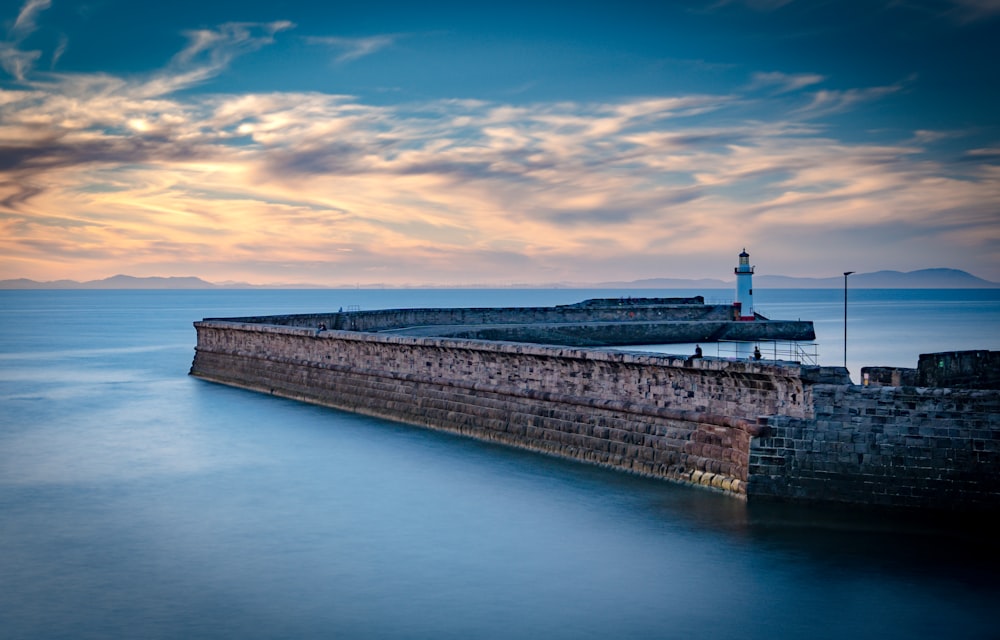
(752,429)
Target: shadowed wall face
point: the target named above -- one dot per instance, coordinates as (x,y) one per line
(690,420)
(891,446)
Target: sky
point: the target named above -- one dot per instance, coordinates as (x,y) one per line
(464,143)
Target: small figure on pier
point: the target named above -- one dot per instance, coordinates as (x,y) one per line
(756,352)
(697,351)
(321,328)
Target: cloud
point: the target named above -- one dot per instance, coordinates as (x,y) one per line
(59,50)
(219,46)
(784,82)
(12,59)
(967,11)
(209,51)
(354,48)
(318,178)
(831,101)
(16,62)
(102,174)
(983,155)
(25,23)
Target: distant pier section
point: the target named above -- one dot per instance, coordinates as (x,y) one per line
(598,322)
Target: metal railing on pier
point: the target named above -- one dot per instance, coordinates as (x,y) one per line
(770,350)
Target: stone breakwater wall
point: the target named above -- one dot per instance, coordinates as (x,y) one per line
(755,430)
(689,420)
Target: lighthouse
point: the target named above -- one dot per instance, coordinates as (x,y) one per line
(744,288)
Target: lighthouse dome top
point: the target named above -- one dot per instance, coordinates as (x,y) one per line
(744,267)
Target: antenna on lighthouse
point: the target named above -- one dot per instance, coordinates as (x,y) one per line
(744,288)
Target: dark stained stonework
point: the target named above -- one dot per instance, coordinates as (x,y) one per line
(960,369)
(952,369)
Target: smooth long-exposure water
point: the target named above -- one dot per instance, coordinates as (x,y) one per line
(137,502)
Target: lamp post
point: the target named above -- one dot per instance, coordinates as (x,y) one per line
(846,273)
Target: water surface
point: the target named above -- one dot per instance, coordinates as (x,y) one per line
(136,501)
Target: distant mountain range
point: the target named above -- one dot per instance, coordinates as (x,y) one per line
(921,279)
(114,282)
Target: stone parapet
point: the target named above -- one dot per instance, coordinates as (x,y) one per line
(960,369)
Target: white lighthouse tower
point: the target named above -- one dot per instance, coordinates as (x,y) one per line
(744,288)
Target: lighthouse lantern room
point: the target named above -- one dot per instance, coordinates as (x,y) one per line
(743,306)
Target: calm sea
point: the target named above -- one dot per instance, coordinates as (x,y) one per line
(137,502)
